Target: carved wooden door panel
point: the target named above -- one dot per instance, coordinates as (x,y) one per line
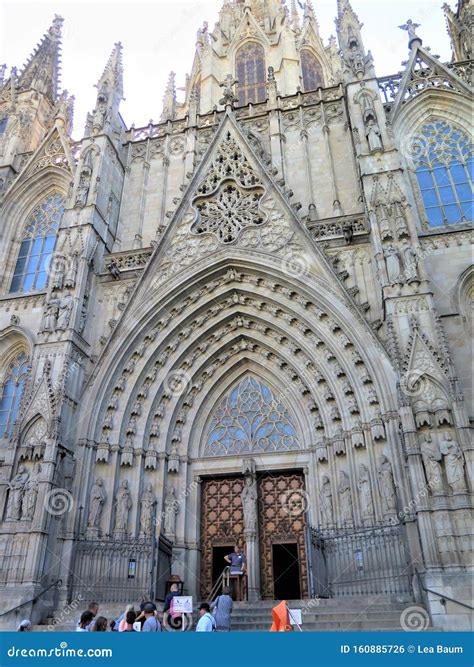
(221,522)
(282,512)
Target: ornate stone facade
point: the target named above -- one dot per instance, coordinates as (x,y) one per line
(241,322)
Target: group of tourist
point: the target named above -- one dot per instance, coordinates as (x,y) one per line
(214,617)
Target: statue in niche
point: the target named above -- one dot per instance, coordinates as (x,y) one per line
(393,265)
(50,315)
(171,512)
(325,498)
(100,113)
(387,485)
(454,463)
(410,261)
(147,506)
(123,504)
(345,498)
(31,493)
(83,187)
(249,498)
(64,313)
(373,134)
(97,502)
(59,273)
(432,462)
(70,278)
(17,490)
(365,489)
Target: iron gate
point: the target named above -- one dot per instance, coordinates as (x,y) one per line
(125,570)
(359,561)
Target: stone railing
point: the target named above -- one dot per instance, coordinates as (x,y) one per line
(347,227)
(130,260)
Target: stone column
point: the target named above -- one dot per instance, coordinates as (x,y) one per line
(250,511)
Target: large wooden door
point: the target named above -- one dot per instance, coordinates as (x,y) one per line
(282,511)
(222,524)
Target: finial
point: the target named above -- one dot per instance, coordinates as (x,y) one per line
(229,98)
(413,39)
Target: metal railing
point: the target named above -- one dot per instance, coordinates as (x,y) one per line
(442,596)
(366,560)
(56,583)
(223,581)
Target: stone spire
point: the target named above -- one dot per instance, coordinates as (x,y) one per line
(41,72)
(358,64)
(110,91)
(294,17)
(169,99)
(459,24)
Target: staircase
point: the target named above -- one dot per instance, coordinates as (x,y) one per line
(351,614)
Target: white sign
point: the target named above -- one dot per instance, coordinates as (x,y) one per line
(182,605)
(296,617)
(137,626)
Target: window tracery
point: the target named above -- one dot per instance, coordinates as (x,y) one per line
(442,154)
(250,419)
(12,392)
(250,73)
(37,245)
(312,71)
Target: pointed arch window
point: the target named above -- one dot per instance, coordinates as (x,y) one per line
(37,245)
(312,71)
(443,158)
(251,418)
(11,393)
(250,73)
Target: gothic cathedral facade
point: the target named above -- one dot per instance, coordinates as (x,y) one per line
(248,323)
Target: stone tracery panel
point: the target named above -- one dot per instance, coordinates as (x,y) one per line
(250,419)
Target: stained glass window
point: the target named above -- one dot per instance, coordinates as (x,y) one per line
(443,159)
(37,246)
(12,391)
(250,419)
(250,73)
(312,71)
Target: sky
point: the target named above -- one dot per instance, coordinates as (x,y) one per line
(160,35)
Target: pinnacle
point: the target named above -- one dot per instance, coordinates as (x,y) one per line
(112,76)
(42,69)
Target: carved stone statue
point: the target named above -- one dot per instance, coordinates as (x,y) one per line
(454,463)
(171,511)
(83,187)
(387,486)
(100,113)
(410,263)
(70,277)
(374,135)
(123,504)
(15,498)
(365,492)
(431,459)
(249,498)
(30,495)
(325,499)
(64,312)
(147,506)
(345,498)
(393,265)
(59,272)
(50,315)
(97,501)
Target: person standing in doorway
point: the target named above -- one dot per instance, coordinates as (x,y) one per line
(237,563)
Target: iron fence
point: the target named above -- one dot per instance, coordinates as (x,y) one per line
(366,560)
(125,570)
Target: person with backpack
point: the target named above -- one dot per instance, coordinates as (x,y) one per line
(206,621)
(222,610)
